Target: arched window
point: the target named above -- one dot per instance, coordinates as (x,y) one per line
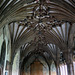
(63,69)
(74,66)
(53,68)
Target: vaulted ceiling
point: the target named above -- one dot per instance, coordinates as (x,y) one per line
(38,26)
(19,9)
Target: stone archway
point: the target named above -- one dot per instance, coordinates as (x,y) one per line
(36,68)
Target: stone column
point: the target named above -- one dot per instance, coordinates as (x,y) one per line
(69,68)
(0,71)
(57,61)
(69,63)
(49,70)
(58,69)
(10,69)
(73,68)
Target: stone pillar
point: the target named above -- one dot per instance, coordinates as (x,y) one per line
(10,69)
(69,63)
(57,61)
(0,71)
(49,70)
(70,69)
(73,68)
(58,69)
